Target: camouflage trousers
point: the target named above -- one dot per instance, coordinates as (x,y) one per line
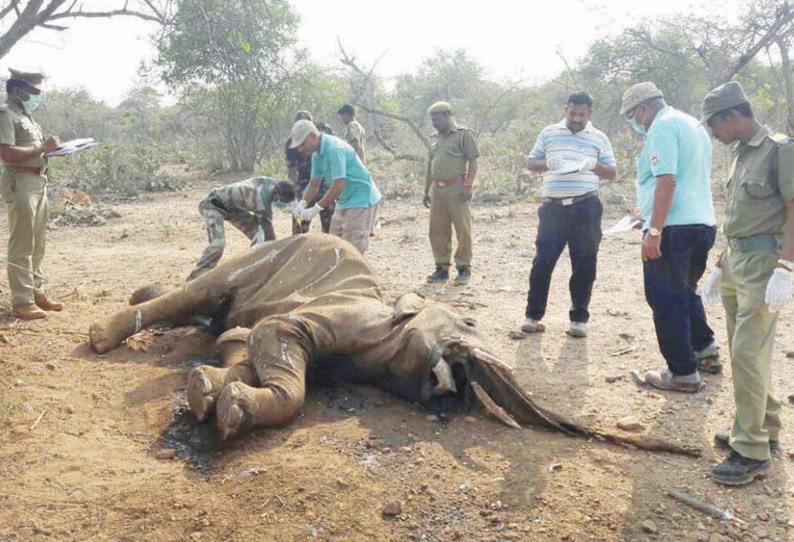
(214,219)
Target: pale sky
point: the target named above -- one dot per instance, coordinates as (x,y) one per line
(512,39)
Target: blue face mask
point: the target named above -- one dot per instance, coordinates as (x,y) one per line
(33,103)
(280,205)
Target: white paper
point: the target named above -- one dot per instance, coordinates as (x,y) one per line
(627,223)
(71,147)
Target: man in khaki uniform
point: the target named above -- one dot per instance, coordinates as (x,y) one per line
(23,186)
(753,274)
(354,134)
(451,169)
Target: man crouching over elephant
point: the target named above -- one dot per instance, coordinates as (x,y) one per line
(313,300)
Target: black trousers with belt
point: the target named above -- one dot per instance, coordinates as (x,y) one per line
(579,227)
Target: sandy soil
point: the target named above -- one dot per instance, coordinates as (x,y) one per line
(80,432)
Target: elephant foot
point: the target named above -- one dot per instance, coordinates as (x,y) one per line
(204,384)
(235,408)
(100,341)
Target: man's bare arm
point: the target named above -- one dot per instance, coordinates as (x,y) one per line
(11,154)
(333,194)
(311,190)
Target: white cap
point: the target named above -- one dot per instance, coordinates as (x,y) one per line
(300,131)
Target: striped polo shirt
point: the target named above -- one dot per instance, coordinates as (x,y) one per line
(571,149)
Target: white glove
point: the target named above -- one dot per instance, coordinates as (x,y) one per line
(259,237)
(555,163)
(307,214)
(711,288)
(779,291)
(588,164)
(298,209)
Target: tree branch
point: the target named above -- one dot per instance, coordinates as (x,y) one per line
(402,118)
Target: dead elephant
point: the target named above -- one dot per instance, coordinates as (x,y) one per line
(312,299)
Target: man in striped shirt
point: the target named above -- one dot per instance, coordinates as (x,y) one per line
(573,156)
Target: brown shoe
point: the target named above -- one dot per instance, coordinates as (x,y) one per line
(48,304)
(28,312)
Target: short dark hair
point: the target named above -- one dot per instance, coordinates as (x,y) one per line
(742,109)
(346,109)
(285,191)
(580,98)
(324,128)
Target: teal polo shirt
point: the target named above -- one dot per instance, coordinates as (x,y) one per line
(676,144)
(337,160)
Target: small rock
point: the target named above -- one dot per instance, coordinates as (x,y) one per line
(703,537)
(392,508)
(613,378)
(431,418)
(649,527)
(166,453)
(517,335)
(470,419)
(69,409)
(196,536)
(790,355)
(342,484)
(630,424)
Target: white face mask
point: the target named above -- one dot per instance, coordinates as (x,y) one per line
(33,103)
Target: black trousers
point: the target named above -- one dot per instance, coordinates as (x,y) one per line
(579,227)
(671,291)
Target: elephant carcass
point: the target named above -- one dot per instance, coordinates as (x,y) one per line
(313,300)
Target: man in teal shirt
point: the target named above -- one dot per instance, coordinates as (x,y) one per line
(334,162)
(674,200)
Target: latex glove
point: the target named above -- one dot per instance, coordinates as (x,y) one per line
(555,163)
(307,214)
(259,237)
(298,209)
(426,200)
(779,291)
(588,164)
(711,288)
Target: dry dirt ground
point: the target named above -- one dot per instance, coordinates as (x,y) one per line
(80,433)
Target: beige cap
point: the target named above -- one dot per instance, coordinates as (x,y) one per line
(34,79)
(300,131)
(721,98)
(439,107)
(637,94)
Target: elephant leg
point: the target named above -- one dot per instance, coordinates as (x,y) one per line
(280,351)
(204,295)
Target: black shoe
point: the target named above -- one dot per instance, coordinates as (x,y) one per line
(737,470)
(723,440)
(464,274)
(441,275)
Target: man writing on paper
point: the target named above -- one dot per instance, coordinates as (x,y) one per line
(23,186)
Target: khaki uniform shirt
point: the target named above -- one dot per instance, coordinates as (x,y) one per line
(451,154)
(251,196)
(761,182)
(356,135)
(17,128)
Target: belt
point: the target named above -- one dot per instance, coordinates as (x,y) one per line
(31,170)
(565,202)
(450,182)
(757,243)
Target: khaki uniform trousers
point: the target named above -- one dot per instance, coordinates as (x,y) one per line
(751,336)
(447,209)
(25,195)
(354,225)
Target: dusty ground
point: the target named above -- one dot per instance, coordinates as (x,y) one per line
(80,432)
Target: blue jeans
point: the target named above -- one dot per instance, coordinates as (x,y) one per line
(671,291)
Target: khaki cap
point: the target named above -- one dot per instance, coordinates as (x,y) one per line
(300,131)
(439,107)
(637,94)
(34,79)
(721,98)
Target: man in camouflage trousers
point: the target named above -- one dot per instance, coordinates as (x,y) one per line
(753,274)
(449,183)
(248,206)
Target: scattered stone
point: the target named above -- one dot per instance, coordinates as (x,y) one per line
(470,419)
(392,508)
(703,537)
(630,424)
(517,335)
(613,378)
(431,418)
(166,453)
(342,484)
(790,355)
(649,527)
(69,409)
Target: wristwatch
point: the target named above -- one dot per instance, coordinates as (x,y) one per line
(653,232)
(788,265)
